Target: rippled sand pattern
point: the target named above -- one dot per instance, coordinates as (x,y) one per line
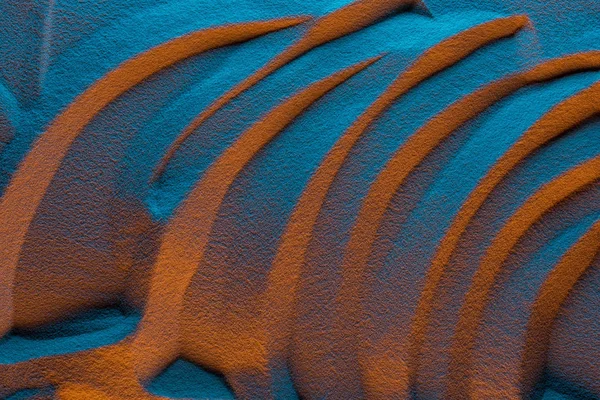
(368,199)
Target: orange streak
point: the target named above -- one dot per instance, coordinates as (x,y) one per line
(82,370)
(76,392)
(523,371)
(339,23)
(406,159)
(29,183)
(186,236)
(543,200)
(550,297)
(290,256)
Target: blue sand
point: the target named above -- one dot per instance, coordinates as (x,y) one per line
(552,395)
(30,394)
(86,331)
(182,379)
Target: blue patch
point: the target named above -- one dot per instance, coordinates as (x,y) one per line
(86,331)
(182,379)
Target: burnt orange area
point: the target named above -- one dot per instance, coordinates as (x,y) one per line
(106,372)
(100,373)
(76,392)
(184,242)
(296,238)
(335,25)
(30,182)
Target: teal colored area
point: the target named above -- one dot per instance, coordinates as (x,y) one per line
(552,395)
(183,379)
(31,394)
(94,328)
(399,37)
